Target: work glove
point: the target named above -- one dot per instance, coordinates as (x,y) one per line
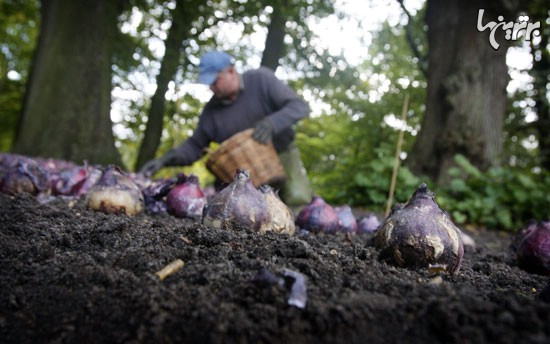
(263,132)
(152,166)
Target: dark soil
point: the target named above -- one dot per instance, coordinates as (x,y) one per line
(71,275)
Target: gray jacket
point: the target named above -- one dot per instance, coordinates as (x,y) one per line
(262,94)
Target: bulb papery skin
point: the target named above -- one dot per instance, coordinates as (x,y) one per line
(154,195)
(533,252)
(347,223)
(25,176)
(318,217)
(238,206)
(69,181)
(420,235)
(368,224)
(282,218)
(115,193)
(186,199)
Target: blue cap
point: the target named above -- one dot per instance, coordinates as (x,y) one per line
(211,65)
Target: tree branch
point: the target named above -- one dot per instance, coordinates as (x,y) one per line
(422,65)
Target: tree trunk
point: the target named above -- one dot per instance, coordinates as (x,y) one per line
(274,42)
(466,95)
(66,111)
(170,63)
(540,73)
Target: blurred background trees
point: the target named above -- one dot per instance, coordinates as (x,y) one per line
(66,108)
(466,84)
(116,85)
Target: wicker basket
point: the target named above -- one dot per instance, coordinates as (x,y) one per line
(241,151)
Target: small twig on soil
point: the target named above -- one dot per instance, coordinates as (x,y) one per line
(185,240)
(397,153)
(170,269)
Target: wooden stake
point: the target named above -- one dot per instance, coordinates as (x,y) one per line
(397,154)
(170,269)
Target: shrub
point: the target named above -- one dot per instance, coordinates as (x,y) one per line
(500,198)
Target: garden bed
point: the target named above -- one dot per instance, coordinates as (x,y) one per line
(69,274)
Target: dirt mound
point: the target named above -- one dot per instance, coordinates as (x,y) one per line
(68,274)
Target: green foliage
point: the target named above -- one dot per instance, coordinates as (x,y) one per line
(349,150)
(19,22)
(351,161)
(372,184)
(502,198)
(10,103)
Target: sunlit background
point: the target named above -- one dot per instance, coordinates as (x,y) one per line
(348,32)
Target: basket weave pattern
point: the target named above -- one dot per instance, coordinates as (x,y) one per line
(241,151)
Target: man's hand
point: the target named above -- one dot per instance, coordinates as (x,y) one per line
(263,132)
(151,167)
